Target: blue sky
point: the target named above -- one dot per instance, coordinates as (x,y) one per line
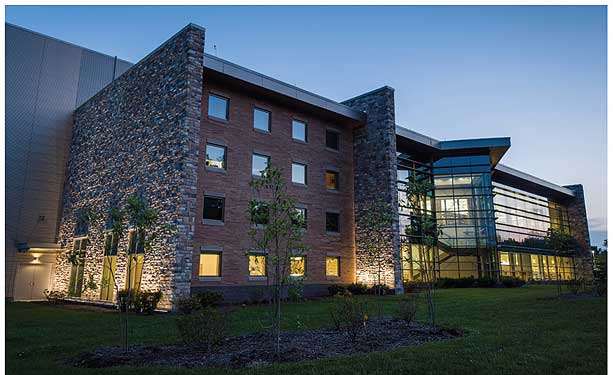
(536,74)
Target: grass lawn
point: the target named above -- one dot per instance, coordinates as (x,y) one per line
(510,331)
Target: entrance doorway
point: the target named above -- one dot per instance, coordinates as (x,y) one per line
(30,281)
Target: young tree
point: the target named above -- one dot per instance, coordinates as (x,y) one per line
(280,235)
(375,226)
(423,233)
(562,244)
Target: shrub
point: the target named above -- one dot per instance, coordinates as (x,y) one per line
(486,282)
(210,298)
(511,282)
(337,289)
(54,296)
(383,290)
(257,295)
(295,290)
(205,328)
(406,308)
(466,282)
(357,288)
(187,305)
(122,299)
(349,313)
(146,302)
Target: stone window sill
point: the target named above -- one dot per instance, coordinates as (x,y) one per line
(332,150)
(209,278)
(335,234)
(334,191)
(261,131)
(333,278)
(299,141)
(217,119)
(258,278)
(215,169)
(213,222)
(299,184)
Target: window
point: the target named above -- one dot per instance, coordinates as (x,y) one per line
(299,130)
(257,265)
(332,139)
(210,264)
(75,286)
(215,156)
(259,214)
(331,180)
(297,266)
(109,266)
(213,208)
(332,222)
(136,259)
(259,164)
(301,217)
(299,173)
(218,107)
(261,119)
(333,266)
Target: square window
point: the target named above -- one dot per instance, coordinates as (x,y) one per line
(301,216)
(332,139)
(259,164)
(331,180)
(218,107)
(332,222)
(297,266)
(259,214)
(299,130)
(257,265)
(213,208)
(215,156)
(299,173)
(261,119)
(333,266)
(210,265)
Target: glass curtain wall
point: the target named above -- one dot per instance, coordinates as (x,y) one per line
(522,223)
(460,205)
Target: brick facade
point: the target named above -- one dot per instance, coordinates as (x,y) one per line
(242,140)
(375,176)
(140,135)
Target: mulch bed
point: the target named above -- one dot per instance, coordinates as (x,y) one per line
(255,349)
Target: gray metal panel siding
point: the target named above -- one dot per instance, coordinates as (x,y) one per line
(45,80)
(96,71)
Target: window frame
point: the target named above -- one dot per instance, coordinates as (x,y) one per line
(306,131)
(338,139)
(338,266)
(253,155)
(269,125)
(305,173)
(223,209)
(219,96)
(338,177)
(304,268)
(225,157)
(338,223)
(257,254)
(219,264)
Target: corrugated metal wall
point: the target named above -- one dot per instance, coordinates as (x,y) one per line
(46,79)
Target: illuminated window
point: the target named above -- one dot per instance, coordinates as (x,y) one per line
(261,119)
(299,173)
(258,164)
(299,130)
(215,156)
(257,265)
(333,266)
(218,107)
(332,222)
(332,139)
(75,286)
(136,259)
(109,267)
(213,208)
(331,180)
(297,266)
(210,264)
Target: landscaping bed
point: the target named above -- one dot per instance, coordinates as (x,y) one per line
(254,349)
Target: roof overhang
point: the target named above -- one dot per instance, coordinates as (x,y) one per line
(496,147)
(524,181)
(259,80)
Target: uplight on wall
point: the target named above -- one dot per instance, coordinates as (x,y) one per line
(36,259)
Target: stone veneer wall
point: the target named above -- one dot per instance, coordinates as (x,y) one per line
(140,135)
(577,217)
(375,176)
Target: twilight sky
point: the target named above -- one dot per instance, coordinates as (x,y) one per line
(534,73)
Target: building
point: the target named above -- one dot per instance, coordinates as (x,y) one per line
(188,131)
(46,80)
